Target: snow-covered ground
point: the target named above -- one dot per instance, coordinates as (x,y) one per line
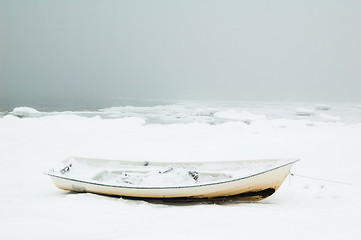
(31,207)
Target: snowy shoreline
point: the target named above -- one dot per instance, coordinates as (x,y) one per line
(214,112)
(303,207)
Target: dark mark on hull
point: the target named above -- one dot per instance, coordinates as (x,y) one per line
(243,197)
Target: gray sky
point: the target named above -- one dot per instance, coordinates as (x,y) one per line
(236,50)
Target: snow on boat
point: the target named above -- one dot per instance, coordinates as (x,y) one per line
(247,179)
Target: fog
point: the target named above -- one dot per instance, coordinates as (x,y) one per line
(230,50)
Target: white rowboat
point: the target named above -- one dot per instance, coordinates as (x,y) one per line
(247,179)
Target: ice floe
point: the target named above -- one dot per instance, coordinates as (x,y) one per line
(25,112)
(231,115)
(322,107)
(304,112)
(329,118)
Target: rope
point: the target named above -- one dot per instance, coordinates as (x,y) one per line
(321,179)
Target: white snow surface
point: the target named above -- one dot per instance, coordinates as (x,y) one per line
(31,207)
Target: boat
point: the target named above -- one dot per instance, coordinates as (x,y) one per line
(245,179)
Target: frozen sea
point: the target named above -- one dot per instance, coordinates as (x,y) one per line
(321,201)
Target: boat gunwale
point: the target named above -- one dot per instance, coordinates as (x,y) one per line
(174,187)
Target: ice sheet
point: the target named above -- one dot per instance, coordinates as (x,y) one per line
(207,111)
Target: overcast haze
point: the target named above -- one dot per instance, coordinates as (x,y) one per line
(236,50)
